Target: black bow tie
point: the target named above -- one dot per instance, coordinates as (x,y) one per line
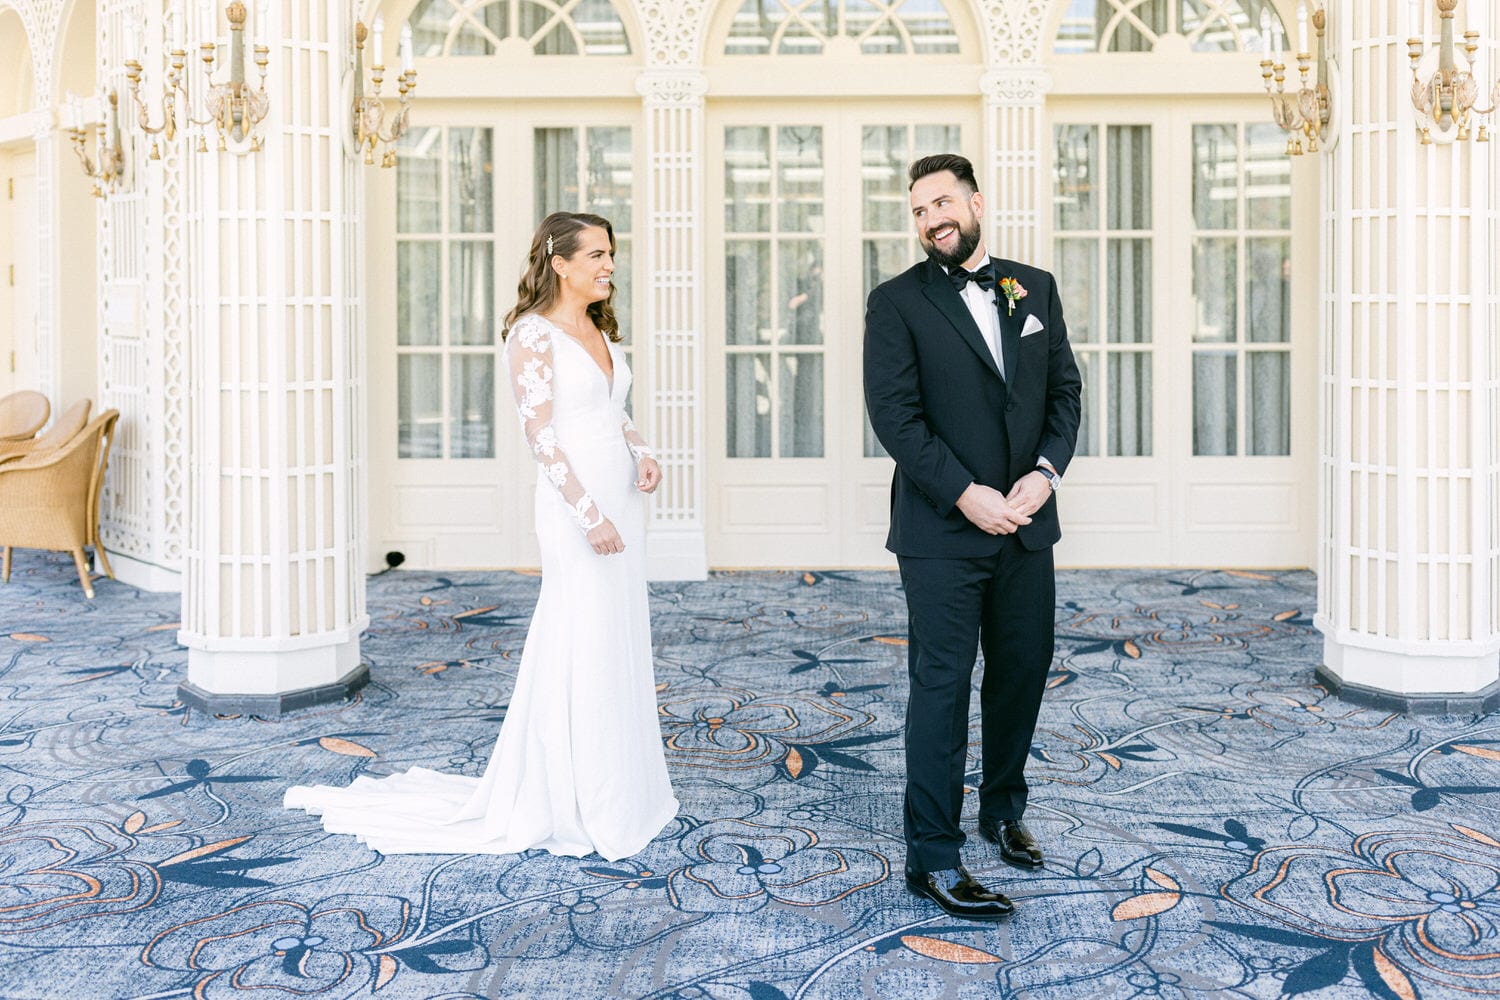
(983,276)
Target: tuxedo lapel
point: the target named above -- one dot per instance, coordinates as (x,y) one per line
(941,293)
(1010,322)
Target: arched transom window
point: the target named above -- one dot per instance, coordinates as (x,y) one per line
(807,27)
(548,27)
(1137,25)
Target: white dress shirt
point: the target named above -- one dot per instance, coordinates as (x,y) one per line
(984,307)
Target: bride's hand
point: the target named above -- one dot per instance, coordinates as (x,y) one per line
(605,539)
(648,475)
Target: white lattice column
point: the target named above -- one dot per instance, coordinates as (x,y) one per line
(673,257)
(1012,177)
(273,600)
(1409,575)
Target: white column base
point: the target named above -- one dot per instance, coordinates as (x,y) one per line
(676,553)
(1411,676)
(271,676)
(143,575)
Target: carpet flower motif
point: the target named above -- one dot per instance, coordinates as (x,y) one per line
(283,948)
(1430,903)
(740,866)
(728,729)
(54,873)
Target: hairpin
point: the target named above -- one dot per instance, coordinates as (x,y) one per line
(549,246)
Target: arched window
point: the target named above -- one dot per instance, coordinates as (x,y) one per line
(1136,25)
(549,27)
(806,27)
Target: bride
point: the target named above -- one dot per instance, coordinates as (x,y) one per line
(578,766)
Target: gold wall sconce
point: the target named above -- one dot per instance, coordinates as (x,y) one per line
(107,166)
(1304,114)
(369,110)
(1447,99)
(232,107)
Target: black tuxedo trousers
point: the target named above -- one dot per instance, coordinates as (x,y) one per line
(1007,598)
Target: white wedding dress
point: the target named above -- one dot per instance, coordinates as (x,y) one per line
(578,766)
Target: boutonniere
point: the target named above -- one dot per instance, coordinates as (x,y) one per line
(1013,292)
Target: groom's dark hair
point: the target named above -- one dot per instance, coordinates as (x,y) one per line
(957,165)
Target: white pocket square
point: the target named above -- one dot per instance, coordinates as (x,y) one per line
(1032,325)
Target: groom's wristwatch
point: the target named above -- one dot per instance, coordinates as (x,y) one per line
(1053,479)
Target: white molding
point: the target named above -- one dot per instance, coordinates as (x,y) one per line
(256,670)
(676,554)
(144,575)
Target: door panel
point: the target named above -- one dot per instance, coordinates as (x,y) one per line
(816,214)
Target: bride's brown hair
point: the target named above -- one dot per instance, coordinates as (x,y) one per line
(539,282)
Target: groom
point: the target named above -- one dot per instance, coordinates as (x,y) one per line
(972,388)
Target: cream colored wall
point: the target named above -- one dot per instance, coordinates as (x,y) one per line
(18,363)
(77,221)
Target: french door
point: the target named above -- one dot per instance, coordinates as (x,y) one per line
(450,473)
(1187,263)
(815,214)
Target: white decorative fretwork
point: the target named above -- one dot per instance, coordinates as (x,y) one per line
(672,254)
(1015,176)
(547,27)
(673,30)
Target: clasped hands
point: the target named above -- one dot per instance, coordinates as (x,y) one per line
(999,513)
(604,538)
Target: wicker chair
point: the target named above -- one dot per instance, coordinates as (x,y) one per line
(22,414)
(70,422)
(50,499)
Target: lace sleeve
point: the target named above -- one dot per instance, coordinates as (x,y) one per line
(529,357)
(634,441)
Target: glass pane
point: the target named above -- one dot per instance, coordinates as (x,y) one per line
(548,35)
(937,139)
(610,175)
(1216,176)
(805,35)
(747,180)
(471,172)
(801,266)
(419,182)
(1077,262)
(1270,403)
(419,406)
(418,285)
(884,259)
(750,32)
(873,447)
(1137,31)
(1214,403)
(1088,424)
(747,292)
(471,293)
(1128,293)
(1074,205)
(1215,289)
(1079,31)
(799,178)
(556,164)
(472,400)
(624,301)
(1129,403)
(1268,291)
(885,153)
(430,21)
(801,422)
(874,26)
(1129,176)
(930,29)
(478,31)
(748,405)
(602,30)
(1225,25)
(1268,178)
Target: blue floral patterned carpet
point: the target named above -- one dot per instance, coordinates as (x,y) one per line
(1216,824)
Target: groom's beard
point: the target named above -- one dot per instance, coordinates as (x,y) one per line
(968,242)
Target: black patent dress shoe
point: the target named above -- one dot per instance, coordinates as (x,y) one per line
(1017,846)
(955,890)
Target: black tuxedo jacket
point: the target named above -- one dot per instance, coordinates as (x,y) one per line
(938,404)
